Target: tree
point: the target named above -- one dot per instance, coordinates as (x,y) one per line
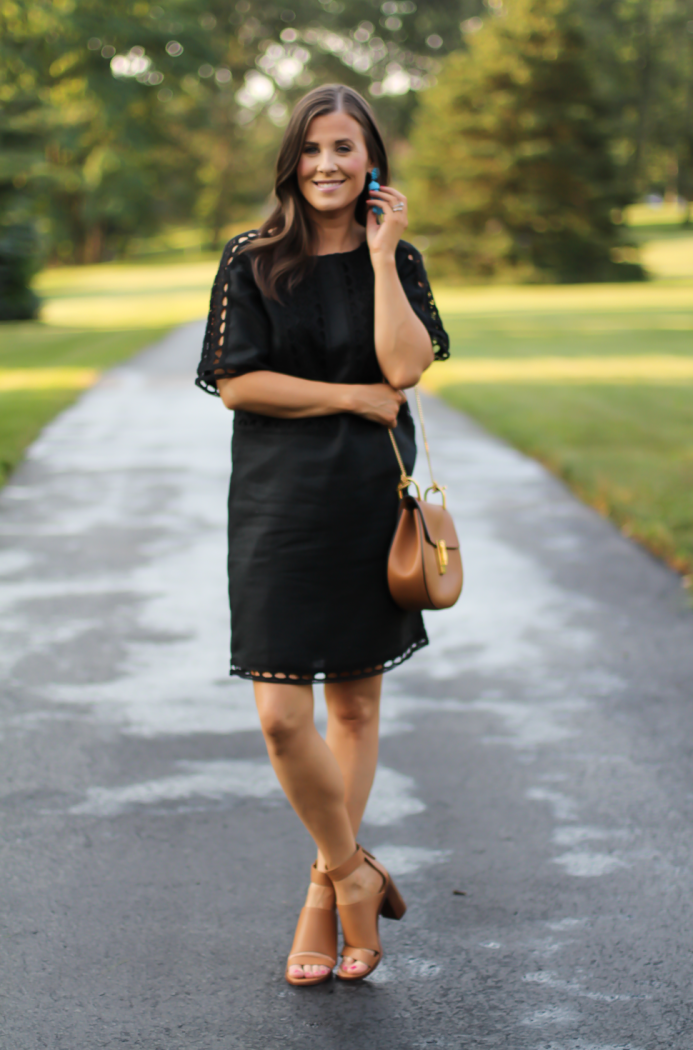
(23,118)
(510,167)
(119,117)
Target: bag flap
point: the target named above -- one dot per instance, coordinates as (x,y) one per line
(437,522)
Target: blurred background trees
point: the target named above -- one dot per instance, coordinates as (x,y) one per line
(119,119)
(510,165)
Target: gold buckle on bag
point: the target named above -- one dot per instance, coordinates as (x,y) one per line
(442,557)
(435,487)
(404,485)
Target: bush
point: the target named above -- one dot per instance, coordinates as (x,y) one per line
(18,264)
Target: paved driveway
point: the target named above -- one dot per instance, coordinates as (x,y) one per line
(534,796)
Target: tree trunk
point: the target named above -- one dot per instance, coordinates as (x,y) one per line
(92,248)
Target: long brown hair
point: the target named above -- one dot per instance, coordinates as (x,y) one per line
(283,251)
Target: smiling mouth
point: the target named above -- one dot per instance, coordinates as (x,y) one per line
(324,184)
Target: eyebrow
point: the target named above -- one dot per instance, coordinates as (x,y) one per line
(338,142)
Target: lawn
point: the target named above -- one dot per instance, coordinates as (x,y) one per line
(44,368)
(92,317)
(596,381)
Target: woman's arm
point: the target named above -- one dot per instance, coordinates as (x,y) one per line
(402,342)
(288,397)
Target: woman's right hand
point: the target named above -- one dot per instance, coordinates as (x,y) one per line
(378,402)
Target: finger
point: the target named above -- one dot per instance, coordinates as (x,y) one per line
(389,193)
(387,197)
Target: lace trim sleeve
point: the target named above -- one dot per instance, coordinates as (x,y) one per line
(236,318)
(412,274)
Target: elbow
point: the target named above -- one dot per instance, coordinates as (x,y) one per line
(228,393)
(404,376)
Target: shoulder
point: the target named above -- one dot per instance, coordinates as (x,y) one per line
(235,249)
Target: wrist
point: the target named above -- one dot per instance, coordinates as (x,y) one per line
(382,260)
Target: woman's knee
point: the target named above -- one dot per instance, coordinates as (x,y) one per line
(355,710)
(282,716)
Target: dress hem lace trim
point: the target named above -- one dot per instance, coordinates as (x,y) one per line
(329,676)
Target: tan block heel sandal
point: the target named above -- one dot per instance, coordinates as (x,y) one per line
(315,940)
(360,920)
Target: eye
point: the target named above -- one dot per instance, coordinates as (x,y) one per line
(344,149)
(310,148)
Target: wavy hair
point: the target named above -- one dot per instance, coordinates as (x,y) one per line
(284,248)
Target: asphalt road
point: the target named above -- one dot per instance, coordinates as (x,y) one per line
(535,792)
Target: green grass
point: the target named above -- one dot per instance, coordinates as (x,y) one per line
(30,344)
(625,449)
(92,317)
(571,334)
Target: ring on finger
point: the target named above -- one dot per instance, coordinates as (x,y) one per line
(398,207)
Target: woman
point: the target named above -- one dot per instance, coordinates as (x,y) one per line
(317,323)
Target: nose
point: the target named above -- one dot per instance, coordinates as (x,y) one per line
(326,162)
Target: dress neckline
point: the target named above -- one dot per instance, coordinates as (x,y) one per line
(332,255)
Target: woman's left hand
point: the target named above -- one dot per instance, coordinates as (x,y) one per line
(384,238)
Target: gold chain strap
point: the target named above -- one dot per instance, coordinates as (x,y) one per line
(405,481)
(425,439)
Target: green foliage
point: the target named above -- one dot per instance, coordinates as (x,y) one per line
(18,258)
(510,169)
(651,45)
(119,117)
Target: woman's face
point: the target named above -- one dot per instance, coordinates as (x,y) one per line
(332,170)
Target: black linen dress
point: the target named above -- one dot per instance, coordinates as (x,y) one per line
(313,502)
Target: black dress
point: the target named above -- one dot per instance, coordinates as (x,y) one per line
(313,502)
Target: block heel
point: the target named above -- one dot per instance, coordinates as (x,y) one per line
(393,905)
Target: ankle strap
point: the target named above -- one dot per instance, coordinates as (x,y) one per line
(319,878)
(343,870)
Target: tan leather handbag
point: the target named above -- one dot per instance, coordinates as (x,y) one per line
(424,567)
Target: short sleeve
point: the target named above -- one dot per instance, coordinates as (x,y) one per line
(237,337)
(412,274)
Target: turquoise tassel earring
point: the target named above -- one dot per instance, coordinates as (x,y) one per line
(375,185)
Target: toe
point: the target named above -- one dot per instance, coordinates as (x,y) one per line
(296,971)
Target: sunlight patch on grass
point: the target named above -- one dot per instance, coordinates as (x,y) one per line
(116,278)
(121,312)
(47,378)
(667,213)
(632,299)
(669,258)
(640,368)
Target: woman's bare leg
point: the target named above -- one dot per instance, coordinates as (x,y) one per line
(353,716)
(310,776)
(305,767)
